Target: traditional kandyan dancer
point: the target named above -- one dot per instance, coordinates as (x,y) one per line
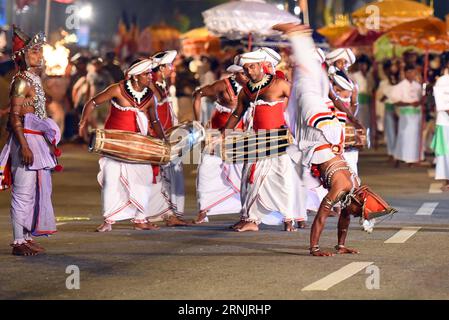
(29,155)
(267,183)
(218,182)
(172,175)
(321,139)
(272,60)
(127,187)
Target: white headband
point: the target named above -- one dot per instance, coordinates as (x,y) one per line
(140,67)
(341,53)
(271,56)
(251,57)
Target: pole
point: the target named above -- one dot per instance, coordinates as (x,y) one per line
(303,5)
(47,17)
(250,41)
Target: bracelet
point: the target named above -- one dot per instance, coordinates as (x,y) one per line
(339,246)
(315,248)
(94,103)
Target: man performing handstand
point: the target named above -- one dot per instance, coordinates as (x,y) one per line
(321,142)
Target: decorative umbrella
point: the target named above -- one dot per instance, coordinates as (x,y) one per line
(356,39)
(336,33)
(391,13)
(251,19)
(429,34)
(200,41)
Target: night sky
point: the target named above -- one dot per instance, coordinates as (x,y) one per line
(107,13)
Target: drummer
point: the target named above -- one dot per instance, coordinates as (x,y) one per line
(218,183)
(170,181)
(343,88)
(126,187)
(267,184)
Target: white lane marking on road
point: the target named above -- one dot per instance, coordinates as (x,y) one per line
(427,208)
(431,173)
(403,235)
(338,276)
(435,187)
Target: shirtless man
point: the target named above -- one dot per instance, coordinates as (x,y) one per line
(29,156)
(218,183)
(321,144)
(267,183)
(126,187)
(170,187)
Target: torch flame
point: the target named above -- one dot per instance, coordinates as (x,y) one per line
(57,57)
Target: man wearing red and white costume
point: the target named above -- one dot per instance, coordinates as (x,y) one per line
(126,187)
(268,183)
(169,186)
(218,182)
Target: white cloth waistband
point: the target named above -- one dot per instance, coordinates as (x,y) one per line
(222,108)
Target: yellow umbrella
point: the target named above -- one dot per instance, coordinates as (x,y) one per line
(429,34)
(335,33)
(390,14)
(196,33)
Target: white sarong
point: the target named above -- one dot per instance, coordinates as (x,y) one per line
(269,198)
(126,190)
(408,143)
(218,186)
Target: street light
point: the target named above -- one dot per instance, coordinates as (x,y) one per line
(85,12)
(297,10)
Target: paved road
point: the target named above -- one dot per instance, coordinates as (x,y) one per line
(210,262)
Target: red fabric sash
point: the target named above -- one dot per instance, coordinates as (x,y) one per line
(121,120)
(40,133)
(219,120)
(269,117)
(165,116)
(156,171)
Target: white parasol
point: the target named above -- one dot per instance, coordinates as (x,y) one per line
(241,19)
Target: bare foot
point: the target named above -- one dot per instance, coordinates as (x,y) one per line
(174,221)
(345,250)
(200,218)
(23,250)
(302,225)
(104,227)
(35,246)
(289,227)
(237,225)
(248,226)
(145,226)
